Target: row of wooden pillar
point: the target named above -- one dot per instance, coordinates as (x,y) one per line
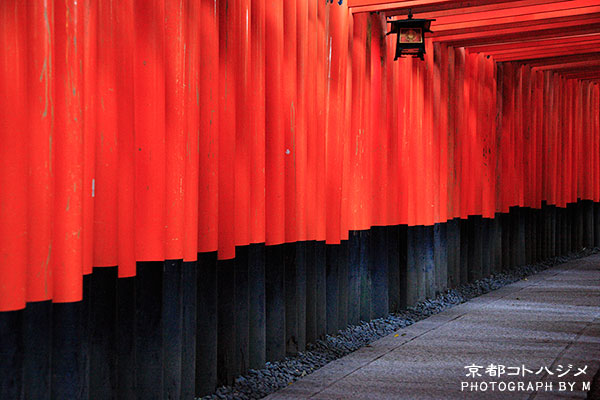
(177,330)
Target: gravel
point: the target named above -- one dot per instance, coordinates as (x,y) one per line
(276,375)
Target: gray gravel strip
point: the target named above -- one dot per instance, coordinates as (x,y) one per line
(276,375)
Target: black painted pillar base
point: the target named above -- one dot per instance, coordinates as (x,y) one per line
(393,245)
(428,263)
(464,250)
(568,229)
(379,272)
(242,332)
(256,293)
(496,237)
(332,253)
(291,314)
(596,224)
(440,246)
(565,232)
(311,293)
(539,235)
(553,231)
(353,277)
(226,347)
(475,238)
(513,253)
(295,296)
(403,265)
(301,293)
(148,330)
(486,247)
(453,248)
(364,267)
(206,319)
(587,210)
(37,318)
(527,242)
(126,325)
(579,236)
(67,368)
(11,354)
(520,248)
(103,356)
(321,278)
(189,295)
(506,223)
(559,240)
(172,328)
(343,285)
(275,303)
(86,334)
(533,243)
(572,218)
(420,264)
(551,227)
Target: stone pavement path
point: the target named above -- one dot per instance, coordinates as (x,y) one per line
(549,323)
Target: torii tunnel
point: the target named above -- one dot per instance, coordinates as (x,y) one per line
(192,188)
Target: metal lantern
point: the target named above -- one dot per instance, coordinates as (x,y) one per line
(411,36)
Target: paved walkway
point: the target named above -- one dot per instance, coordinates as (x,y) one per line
(551,320)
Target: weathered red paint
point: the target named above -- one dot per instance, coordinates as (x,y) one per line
(106,237)
(192,132)
(126,256)
(90,22)
(175,125)
(149,127)
(257,122)
(274,128)
(243,138)
(67,252)
(228,68)
(40,119)
(208,141)
(13,156)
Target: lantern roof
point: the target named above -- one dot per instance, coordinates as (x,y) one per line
(412,22)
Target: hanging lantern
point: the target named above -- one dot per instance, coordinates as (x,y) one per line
(411,35)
